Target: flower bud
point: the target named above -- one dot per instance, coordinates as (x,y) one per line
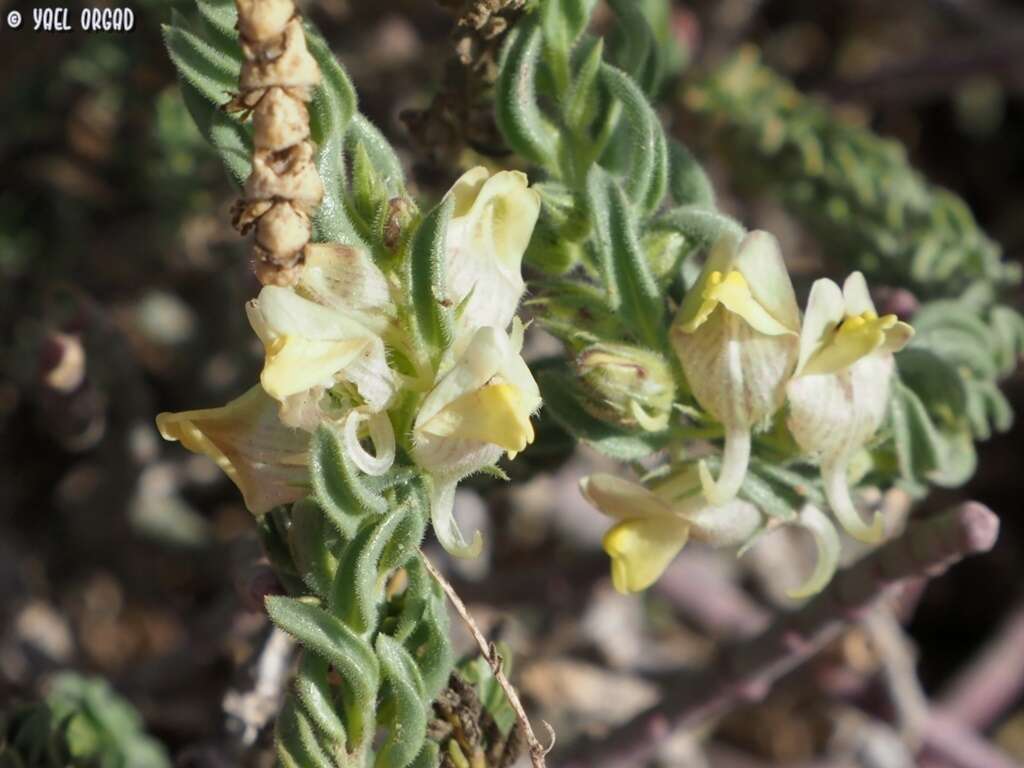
(736,338)
(627,385)
(840,393)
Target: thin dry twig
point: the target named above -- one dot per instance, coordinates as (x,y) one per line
(747,670)
(538,751)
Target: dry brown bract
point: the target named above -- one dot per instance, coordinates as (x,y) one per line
(284,187)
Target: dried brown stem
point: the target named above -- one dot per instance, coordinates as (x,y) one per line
(284,188)
(747,670)
(538,751)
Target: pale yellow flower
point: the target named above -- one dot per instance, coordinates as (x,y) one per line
(479,408)
(325,330)
(655,523)
(839,396)
(736,336)
(491,225)
(264,458)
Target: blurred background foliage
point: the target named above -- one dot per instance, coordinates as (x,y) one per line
(129,559)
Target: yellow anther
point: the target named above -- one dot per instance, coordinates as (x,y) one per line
(853,323)
(715,278)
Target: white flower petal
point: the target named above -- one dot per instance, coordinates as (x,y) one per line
(382,435)
(760,262)
(825,311)
(728,525)
(856,295)
(347,280)
(735,459)
(285,313)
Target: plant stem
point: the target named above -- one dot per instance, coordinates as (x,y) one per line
(538,751)
(747,670)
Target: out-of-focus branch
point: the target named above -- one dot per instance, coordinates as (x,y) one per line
(991,682)
(747,670)
(899,673)
(713,602)
(933,75)
(957,746)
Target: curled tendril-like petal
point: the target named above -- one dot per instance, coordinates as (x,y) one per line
(837,491)
(382,435)
(735,458)
(826,539)
(442,517)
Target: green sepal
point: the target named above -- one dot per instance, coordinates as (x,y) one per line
(428,643)
(231,139)
(688,182)
(338,486)
(631,286)
(212,71)
(577,313)
(404,706)
(316,696)
(699,225)
(633,41)
(915,436)
(583,100)
(330,114)
(493,697)
(516,112)
(296,738)
(432,316)
(352,657)
(428,757)
(637,137)
(219,19)
(309,541)
(368,191)
(386,165)
(356,591)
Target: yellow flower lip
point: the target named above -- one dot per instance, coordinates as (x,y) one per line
(841,327)
(494,414)
(747,277)
(641,549)
(856,337)
(732,292)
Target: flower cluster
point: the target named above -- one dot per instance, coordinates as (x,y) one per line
(339,351)
(747,355)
